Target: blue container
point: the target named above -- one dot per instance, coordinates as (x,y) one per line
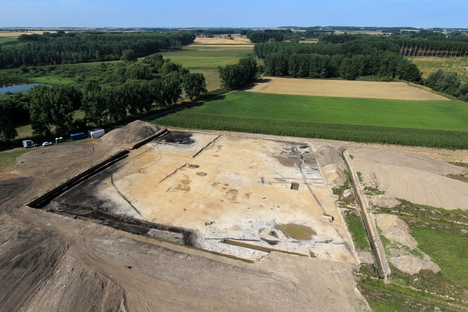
(77,136)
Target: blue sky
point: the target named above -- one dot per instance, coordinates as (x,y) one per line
(228,13)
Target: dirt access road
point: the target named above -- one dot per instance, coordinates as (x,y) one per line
(57,263)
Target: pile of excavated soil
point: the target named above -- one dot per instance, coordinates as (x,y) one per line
(397,232)
(332,164)
(131,133)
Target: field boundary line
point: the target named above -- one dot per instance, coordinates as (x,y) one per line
(374,238)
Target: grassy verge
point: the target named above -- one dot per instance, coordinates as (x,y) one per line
(357,230)
(442,235)
(460,164)
(7,158)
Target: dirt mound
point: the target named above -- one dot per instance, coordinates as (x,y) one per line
(413,265)
(131,133)
(329,159)
(383,201)
(396,230)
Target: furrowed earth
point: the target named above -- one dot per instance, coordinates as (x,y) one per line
(226,221)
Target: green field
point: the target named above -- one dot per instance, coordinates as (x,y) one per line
(436,115)
(432,123)
(52,79)
(207,59)
(3,40)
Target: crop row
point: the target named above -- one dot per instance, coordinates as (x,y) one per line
(345,132)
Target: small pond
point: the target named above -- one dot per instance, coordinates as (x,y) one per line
(17,88)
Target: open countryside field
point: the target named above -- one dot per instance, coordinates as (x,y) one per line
(3,40)
(435,115)
(206,59)
(345,88)
(224,40)
(423,123)
(16,34)
(429,65)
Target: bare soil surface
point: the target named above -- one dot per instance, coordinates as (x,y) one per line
(413,177)
(53,262)
(56,262)
(222,40)
(344,88)
(173,181)
(131,133)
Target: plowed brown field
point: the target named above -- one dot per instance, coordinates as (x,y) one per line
(345,88)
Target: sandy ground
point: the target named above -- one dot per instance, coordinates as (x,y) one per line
(222,47)
(57,263)
(222,40)
(344,88)
(413,177)
(247,192)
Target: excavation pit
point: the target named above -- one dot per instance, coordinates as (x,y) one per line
(243,195)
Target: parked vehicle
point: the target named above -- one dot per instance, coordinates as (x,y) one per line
(77,136)
(29,143)
(46,143)
(96,133)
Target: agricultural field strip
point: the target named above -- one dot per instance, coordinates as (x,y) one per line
(434,115)
(344,88)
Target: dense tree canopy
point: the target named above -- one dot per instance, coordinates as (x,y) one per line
(64,48)
(262,36)
(7,127)
(194,85)
(51,109)
(238,75)
(449,83)
(348,60)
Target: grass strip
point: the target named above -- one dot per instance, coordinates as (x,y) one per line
(358,133)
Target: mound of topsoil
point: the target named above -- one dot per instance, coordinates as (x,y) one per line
(131,133)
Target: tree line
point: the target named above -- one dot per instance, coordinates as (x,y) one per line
(449,83)
(350,61)
(238,75)
(262,36)
(51,109)
(424,45)
(66,48)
